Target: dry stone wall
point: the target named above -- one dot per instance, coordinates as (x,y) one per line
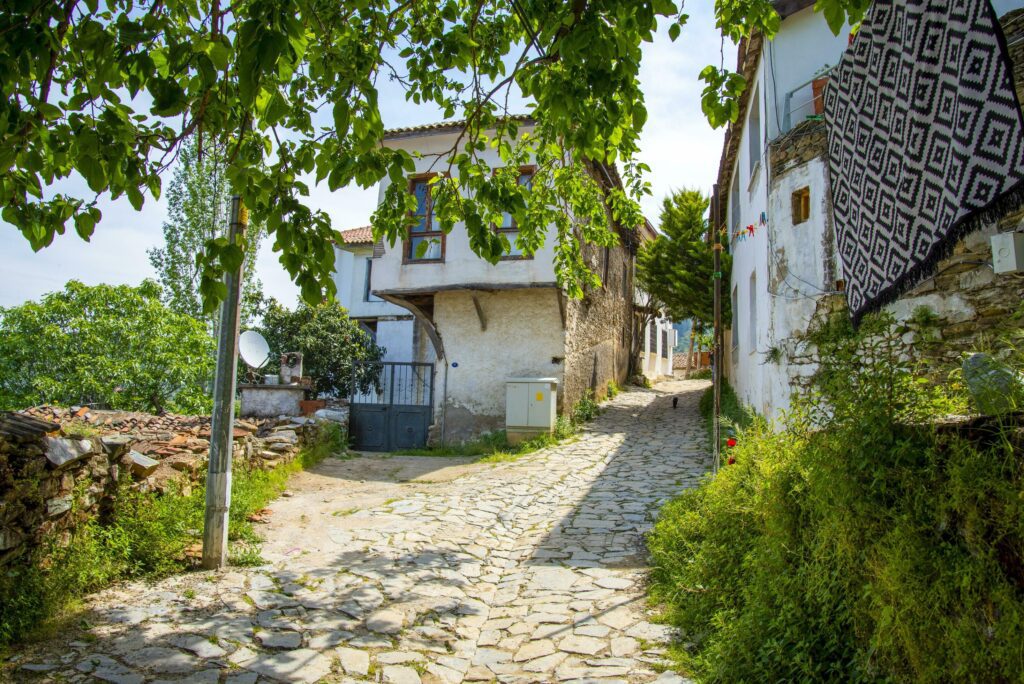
(60,467)
(598,330)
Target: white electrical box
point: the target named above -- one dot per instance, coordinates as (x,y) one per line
(1008,252)
(530,407)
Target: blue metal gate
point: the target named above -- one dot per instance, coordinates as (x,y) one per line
(396,408)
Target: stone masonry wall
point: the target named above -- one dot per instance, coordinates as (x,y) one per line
(54,479)
(598,328)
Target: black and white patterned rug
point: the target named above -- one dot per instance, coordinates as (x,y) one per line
(924,141)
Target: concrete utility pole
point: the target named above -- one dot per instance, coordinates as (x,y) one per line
(218,476)
(717,338)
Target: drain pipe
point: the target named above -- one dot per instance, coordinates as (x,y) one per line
(444,405)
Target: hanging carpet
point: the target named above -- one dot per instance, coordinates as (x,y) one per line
(924,142)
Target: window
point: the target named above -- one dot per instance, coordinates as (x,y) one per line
(753,311)
(653,338)
(426,241)
(508,226)
(735,319)
(368,295)
(664,344)
(801,203)
(370,327)
(754,130)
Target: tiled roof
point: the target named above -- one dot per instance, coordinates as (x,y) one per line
(358,236)
(443,126)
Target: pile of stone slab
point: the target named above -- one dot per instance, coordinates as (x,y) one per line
(174,448)
(60,467)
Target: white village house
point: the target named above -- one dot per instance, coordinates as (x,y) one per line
(391,327)
(773,200)
(484,323)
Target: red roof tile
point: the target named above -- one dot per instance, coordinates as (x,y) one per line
(358,236)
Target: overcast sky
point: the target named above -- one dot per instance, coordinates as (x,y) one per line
(678,145)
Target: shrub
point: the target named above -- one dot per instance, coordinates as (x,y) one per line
(331,343)
(612,390)
(586,409)
(859,542)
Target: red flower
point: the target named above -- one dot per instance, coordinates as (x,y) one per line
(730,442)
(732,459)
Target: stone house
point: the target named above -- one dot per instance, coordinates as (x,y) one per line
(484,323)
(773,200)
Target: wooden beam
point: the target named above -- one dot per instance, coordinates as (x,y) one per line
(423,318)
(479,313)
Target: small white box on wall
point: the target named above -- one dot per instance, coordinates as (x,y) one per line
(1008,252)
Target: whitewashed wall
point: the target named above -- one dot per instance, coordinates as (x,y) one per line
(350,279)
(461,264)
(803,46)
(653,365)
(524,337)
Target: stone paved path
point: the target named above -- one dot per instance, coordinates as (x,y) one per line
(529,571)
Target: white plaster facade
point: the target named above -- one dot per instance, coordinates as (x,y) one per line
(657,343)
(461,266)
(393,328)
(523,338)
(783,272)
(771,304)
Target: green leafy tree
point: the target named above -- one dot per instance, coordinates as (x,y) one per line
(111,90)
(198,198)
(331,344)
(108,346)
(677,268)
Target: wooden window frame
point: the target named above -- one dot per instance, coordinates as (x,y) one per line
(514,228)
(407,257)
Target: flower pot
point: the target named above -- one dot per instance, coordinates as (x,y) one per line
(310,406)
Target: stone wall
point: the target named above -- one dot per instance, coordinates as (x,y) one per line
(48,485)
(53,477)
(598,328)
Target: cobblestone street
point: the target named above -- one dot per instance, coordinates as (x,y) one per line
(526,571)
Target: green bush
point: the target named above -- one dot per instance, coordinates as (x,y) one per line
(859,543)
(735,415)
(145,535)
(702,374)
(612,390)
(586,409)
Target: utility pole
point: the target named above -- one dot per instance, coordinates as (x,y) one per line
(716,345)
(218,476)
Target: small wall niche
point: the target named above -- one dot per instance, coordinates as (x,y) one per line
(801,205)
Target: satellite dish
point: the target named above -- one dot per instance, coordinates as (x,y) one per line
(253,349)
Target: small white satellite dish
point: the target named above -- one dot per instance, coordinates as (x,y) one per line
(253,349)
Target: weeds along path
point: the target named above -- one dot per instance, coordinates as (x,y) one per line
(411,569)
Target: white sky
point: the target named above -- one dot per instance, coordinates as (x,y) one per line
(678,145)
